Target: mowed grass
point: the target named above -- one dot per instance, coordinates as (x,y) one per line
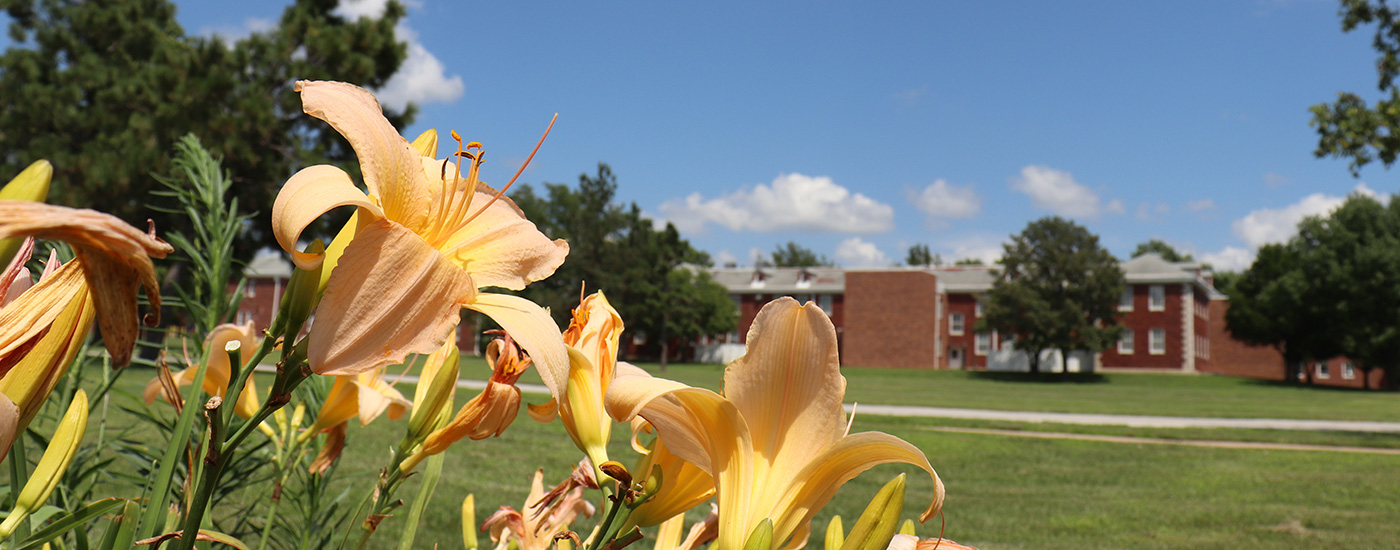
(1003,492)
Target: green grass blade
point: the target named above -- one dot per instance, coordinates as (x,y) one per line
(179,437)
(425,493)
(63,523)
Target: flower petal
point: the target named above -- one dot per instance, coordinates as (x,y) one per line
(304,198)
(703,428)
(36,374)
(499,247)
(25,320)
(9,425)
(533,329)
(390,296)
(814,485)
(390,165)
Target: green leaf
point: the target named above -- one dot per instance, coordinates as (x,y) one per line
(63,523)
(425,494)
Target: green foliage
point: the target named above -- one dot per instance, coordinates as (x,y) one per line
(1334,289)
(1161,248)
(796,255)
(105,89)
(1349,128)
(919,255)
(969,261)
(1057,289)
(199,185)
(652,276)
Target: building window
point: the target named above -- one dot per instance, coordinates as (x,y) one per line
(1157,341)
(250,290)
(1125,301)
(1125,342)
(1324,370)
(1008,341)
(955,324)
(825,301)
(1157,298)
(1348,371)
(984,343)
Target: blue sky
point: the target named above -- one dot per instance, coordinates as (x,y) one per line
(857,130)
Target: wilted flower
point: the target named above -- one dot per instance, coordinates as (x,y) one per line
(911,542)
(534,527)
(776,441)
(425,240)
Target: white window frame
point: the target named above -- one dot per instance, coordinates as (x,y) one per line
(1157,298)
(1348,371)
(1125,342)
(827,302)
(1323,370)
(977,310)
(1157,341)
(983,343)
(955,324)
(1125,300)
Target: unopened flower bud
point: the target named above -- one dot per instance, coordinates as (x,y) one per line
(878,523)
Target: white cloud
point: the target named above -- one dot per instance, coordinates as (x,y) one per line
(422,78)
(1152,212)
(1201,205)
(791,202)
(1230,258)
(856,252)
(942,200)
(1056,191)
(1115,206)
(725,258)
(981,247)
(1275,225)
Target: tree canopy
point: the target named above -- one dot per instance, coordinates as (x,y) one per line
(654,278)
(796,255)
(1333,289)
(919,255)
(1057,288)
(1348,128)
(1161,248)
(104,90)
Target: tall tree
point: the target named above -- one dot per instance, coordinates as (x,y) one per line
(105,89)
(919,255)
(1265,302)
(652,276)
(969,261)
(1161,248)
(1057,288)
(796,255)
(1348,128)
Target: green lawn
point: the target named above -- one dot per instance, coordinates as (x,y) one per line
(1147,394)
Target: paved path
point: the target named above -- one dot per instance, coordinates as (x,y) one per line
(1162,441)
(1137,421)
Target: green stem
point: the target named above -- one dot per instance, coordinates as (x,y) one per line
(267,522)
(19,474)
(213,466)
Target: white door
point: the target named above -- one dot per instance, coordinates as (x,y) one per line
(955,358)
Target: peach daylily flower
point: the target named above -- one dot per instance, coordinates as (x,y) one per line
(427,237)
(776,441)
(113,258)
(365,395)
(911,542)
(217,375)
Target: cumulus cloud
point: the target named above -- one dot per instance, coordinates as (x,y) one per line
(725,258)
(856,252)
(1275,225)
(1230,258)
(1056,191)
(234,33)
(981,247)
(1152,212)
(790,202)
(943,201)
(422,78)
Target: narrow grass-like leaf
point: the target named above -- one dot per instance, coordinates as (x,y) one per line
(63,523)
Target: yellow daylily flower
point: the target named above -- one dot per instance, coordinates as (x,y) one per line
(61,310)
(31,184)
(776,441)
(217,375)
(427,237)
(113,257)
(534,528)
(911,542)
(592,338)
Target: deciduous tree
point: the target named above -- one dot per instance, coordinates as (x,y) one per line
(796,255)
(1057,288)
(919,255)
(1166,251)
(1349,128)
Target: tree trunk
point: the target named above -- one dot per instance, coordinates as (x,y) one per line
(665,339)
(1034,361)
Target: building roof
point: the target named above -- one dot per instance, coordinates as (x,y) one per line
(966,278)
(272,265)
(782,280)
(1152,268)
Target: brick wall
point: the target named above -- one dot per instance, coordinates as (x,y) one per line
(1235,358)
(890,319)
(965,304)
(1141,320)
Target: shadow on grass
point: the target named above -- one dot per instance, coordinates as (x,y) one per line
(1040,377)
(1306,386)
